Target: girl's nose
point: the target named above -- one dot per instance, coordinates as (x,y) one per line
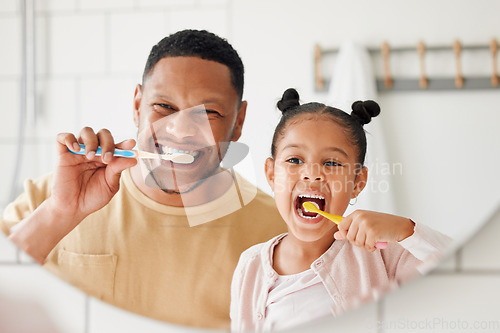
(180,124)
(312,172)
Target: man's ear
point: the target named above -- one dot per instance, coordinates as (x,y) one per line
(240,119)
(361,180)
(137,104)
(269,169)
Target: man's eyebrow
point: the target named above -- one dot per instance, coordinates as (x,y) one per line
(219,100)
(329,149)
(158,94)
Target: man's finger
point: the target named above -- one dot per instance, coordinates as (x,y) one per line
(89,139)
(114,170)
(126,144)
(107,144)
(67,141)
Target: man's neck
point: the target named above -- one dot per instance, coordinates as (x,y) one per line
(209,190)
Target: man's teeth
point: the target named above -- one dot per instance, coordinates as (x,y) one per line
(168,150)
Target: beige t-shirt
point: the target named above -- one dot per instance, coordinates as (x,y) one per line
(145,257)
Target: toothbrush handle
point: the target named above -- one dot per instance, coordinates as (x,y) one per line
(118,152)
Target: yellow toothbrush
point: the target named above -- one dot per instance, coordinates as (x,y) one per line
(310,207)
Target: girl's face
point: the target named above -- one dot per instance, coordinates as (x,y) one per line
(315,162)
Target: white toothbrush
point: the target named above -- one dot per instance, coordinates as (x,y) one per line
(180,158)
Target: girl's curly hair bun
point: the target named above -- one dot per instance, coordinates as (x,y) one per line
(364,111)
(289,100)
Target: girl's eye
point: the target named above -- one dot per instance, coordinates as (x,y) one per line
(332,163)
(294,160)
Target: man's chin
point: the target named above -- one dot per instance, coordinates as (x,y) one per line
(170,185)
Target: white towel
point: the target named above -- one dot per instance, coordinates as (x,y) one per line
(353,79)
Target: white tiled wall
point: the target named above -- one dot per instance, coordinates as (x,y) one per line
(90,56)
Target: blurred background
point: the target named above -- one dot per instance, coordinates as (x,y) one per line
(66,64)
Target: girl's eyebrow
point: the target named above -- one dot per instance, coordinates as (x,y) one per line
(329,149)
(336,149)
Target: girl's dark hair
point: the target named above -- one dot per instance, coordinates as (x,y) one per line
(362,113)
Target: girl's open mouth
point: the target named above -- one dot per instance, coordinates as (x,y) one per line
(317,200)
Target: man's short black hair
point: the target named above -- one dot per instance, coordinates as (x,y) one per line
(202,44)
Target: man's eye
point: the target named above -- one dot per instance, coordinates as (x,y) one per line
(294,160)
(163,108)
(213,112)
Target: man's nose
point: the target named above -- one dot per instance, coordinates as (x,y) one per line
(312,172)
(180,124)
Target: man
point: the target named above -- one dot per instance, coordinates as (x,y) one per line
(155,237)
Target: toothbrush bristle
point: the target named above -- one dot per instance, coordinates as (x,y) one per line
(180,158)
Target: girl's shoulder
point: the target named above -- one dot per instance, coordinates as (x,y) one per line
(261,249)
(259,254)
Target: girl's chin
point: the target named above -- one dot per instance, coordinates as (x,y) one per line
(309,237)
(311,232)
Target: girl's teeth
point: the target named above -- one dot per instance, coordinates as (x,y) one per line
(312,196)
(301,214)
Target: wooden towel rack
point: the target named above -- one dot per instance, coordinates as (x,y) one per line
(424,82)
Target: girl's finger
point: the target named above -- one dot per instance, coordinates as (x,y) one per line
(352,232)
(338,235)
(360,239)
(370,243)
(345,224)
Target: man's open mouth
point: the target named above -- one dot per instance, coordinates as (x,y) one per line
(317,200)
(170,150)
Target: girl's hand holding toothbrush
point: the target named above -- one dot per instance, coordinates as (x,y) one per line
(364,228)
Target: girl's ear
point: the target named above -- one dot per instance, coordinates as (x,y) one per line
(269,169)
(361,180)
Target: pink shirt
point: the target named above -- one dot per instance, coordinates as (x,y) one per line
(296,299)
(351,275)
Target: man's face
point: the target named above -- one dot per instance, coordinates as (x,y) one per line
(186,104)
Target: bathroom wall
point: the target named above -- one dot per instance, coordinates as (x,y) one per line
(90,55)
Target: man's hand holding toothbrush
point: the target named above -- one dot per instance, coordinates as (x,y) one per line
(82,185)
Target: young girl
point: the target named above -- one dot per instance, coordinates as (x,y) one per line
(318,268)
